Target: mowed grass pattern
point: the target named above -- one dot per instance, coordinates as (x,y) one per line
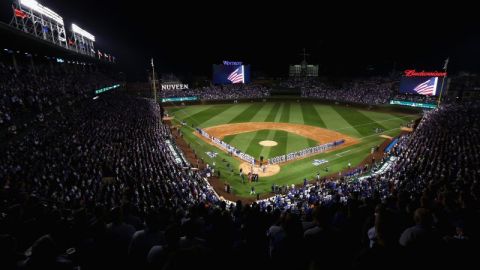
(355,122)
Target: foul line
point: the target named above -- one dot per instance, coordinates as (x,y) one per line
(340,154)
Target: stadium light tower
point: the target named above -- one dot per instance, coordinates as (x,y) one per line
(153,81)
(83,41)
(33,18)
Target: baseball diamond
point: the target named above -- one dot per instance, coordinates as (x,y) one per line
(294,126)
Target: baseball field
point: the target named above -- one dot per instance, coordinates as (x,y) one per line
(271,129)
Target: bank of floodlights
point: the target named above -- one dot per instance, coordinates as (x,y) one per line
(40,21)
(82,32)
(83,41)
(33,18)
(34,5)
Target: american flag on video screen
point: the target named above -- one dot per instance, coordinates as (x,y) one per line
(237,75)
(428,87)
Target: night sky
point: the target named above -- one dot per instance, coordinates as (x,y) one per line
(344,40)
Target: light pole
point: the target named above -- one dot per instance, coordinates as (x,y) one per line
(153,80)
(443,81)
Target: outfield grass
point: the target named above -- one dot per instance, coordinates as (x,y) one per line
(351,121)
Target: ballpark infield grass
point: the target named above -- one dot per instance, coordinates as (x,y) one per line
(249,142)
(354,122)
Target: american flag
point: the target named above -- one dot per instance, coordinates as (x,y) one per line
(428,87)
(237,75)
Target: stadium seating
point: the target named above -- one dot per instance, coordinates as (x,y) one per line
(30,93)
(226,92)
(100,185)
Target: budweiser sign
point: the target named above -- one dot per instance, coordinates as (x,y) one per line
(414,73)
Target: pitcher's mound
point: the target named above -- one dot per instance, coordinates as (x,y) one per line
(269,169)
(268,143)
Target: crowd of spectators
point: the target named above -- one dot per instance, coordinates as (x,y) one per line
(29,92)
(116,197)
(94,155)
(371,91)
(106,152)
(221,92)
(102,186)
(417,98)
